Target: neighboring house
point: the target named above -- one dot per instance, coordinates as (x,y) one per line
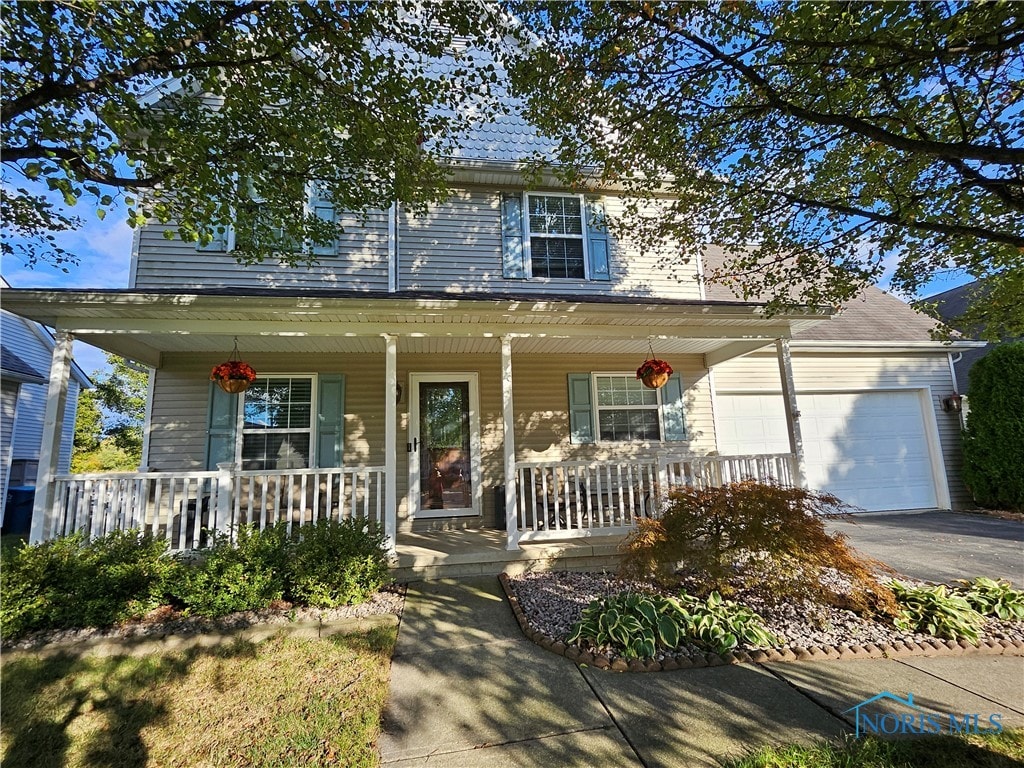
(27,349)
(436,371)
(951,305)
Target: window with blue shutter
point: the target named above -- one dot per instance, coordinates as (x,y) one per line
(331,421)
(513,256)
(624,410)
(597,240)
(581,412)
(222,426)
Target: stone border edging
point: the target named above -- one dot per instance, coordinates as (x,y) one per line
(142,645)
(897,650)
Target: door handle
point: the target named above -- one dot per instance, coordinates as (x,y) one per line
(411,447)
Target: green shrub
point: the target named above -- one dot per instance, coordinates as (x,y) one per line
(758,536)
(242,577)
(934,611)
(69,582)
(336,563)
(637,624)
(993,442)
(993,597)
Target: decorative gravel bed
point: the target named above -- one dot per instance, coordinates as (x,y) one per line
(165,621)
(551,603)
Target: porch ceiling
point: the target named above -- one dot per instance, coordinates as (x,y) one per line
(144,326)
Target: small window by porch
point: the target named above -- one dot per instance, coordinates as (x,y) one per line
(627,411)
(277,427)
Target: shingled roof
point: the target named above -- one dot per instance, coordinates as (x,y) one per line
(873,315)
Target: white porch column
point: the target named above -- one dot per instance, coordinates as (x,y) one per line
(49,450)
(509,435)
(796,443)
(390,444)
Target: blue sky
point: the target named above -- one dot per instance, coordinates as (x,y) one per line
(105,252)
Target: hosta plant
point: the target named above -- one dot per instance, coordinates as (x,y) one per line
(937,612)
(994,597)
(633,623)
(637,625)
(720,625)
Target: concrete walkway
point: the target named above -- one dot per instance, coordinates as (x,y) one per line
(469,690)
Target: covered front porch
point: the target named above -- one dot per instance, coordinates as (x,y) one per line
(530,476)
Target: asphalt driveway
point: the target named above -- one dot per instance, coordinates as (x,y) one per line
(940,546)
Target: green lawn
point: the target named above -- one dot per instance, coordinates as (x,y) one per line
(1005,750)
(282,702)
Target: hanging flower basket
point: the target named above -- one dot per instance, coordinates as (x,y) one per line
(234,375)
(654,373)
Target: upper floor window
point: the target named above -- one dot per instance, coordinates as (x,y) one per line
(550,235)
(556,236)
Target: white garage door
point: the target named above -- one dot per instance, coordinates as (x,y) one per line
(868,448)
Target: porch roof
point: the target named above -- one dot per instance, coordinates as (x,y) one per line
(145,325)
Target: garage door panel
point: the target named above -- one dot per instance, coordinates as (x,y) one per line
(869,448)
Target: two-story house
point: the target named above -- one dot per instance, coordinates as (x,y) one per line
(477,364)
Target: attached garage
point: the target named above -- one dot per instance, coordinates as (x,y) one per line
(873,449)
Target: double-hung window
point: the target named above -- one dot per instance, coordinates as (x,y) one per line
(556,235)
(627,411)
(614,407)
(277,425)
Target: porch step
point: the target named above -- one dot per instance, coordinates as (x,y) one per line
(451,554)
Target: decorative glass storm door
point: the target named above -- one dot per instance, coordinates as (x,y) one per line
(444,445)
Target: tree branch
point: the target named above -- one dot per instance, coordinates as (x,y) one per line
(154,62)
(963,151)
(79,165)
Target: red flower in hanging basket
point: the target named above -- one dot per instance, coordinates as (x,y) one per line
(654,373)
(653,367)
(233,369)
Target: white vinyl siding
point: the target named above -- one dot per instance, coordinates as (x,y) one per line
(457,247)
(360,262)
(817,372)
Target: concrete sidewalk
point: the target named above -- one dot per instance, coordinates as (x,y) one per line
(469,690)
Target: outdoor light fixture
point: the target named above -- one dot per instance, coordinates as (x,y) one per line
(953,403)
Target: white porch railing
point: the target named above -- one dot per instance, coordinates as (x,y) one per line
(568,499)
(186,508)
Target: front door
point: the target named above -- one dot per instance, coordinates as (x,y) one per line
(444,445)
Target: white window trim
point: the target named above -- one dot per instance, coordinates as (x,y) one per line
(240,431)
(596,410)
(528,235)
(231,228)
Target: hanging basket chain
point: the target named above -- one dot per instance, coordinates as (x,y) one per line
(234,375)
(653,372)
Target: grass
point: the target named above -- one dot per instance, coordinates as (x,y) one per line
(1004,750)
(282,702)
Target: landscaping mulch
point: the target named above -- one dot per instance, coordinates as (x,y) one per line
(547,605)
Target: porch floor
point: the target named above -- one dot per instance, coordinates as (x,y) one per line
(474,552)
